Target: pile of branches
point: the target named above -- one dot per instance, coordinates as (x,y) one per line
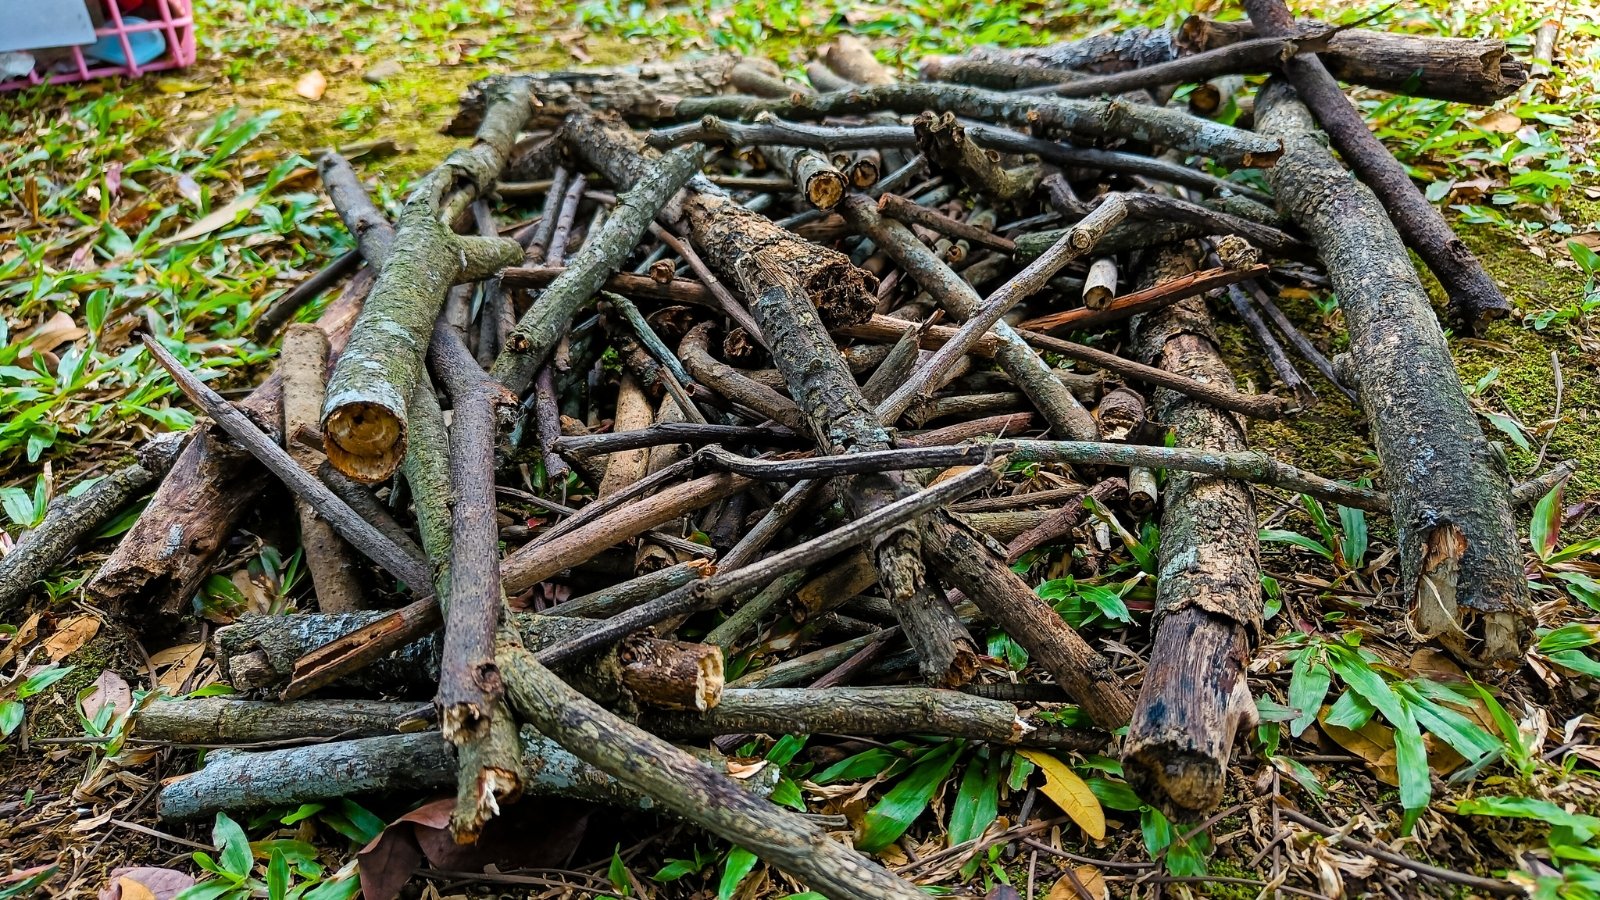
(833,316)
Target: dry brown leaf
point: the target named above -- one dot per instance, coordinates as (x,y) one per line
(26,634)
(1498,121)
(109,690)
(51,333)
(72,634)
(157,883)
(312,85)
(1089,877)
(179,662)
(134,890)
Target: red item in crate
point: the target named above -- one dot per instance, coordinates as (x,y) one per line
(172,20)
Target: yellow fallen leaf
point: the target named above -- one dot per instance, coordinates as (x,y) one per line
(1071,793)
(1093,885)
(311,85)
(73,633)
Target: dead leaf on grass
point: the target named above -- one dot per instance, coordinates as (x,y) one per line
(72,634)
(109,690)
(155,883)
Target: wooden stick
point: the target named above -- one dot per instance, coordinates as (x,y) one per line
(1242,465)
(1064,413)
(364,419)
(838,414)
(333,569)
(535,336)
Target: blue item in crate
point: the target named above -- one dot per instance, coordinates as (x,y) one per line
(147,46)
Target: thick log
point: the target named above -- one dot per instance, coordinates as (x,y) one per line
(1208,608)
(1464,70)
(234,781)
(364,419)
(1460,563)
(40,549)
(1474,297)
(221,720)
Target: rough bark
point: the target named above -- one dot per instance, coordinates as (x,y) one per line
(334,573)
(234,781)
(691,789)
(633,413)
(1084,120)
(949,151)
(1474,297)
(222,720)
(1465,70)
(1462,70)
(1208,608)
(695,351)
(843,422)
(869,712)
(472,716)
(364,419)
(1460,563)
(70,519)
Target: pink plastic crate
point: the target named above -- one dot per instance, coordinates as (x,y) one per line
(173,18)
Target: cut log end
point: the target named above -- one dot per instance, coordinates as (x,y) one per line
(673,674)
(1189,780)
(1484,637)
(364,440)
(825,189)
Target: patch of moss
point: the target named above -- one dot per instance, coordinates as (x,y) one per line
(1222,868)
(53,713)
